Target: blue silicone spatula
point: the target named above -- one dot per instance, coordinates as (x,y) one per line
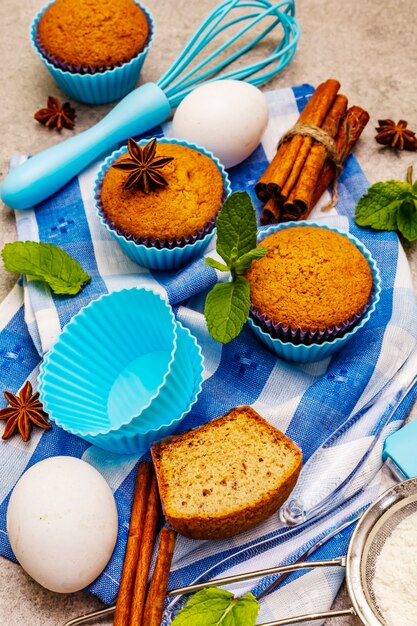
(399,454)
(151,104)
(400,451)
(46,172)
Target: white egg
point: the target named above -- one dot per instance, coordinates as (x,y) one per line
(227,117)
(62,523)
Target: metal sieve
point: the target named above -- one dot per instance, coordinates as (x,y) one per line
(366,543)
(372,531)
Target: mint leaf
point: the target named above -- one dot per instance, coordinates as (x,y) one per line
(407,219)
(236,226)
(227,308)
(227,305)
(245,611)
(216,607)
(217,265)
(378,208)
(47,262)
(245,261)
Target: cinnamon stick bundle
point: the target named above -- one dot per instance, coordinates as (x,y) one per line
(289,186)
(135,607)
(137,518)
(291,155)
(299,198)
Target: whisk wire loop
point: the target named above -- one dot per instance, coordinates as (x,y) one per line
(212,33)
(183,82)
(182,76)
(202,31)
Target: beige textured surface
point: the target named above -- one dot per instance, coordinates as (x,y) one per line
(369,46)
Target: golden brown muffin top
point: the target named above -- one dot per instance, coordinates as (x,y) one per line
(191,199)
(310,278)
(93,33)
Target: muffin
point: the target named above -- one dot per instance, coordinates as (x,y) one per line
(312,285)
(105,41)
(186,207)
(172,222)
(89,35)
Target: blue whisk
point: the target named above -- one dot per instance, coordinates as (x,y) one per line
(247,20)
(176,87)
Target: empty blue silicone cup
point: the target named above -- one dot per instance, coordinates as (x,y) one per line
(306,353)
(100,87)
(111,362)
(151,255)
(161,418)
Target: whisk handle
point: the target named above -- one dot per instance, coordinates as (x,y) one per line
(46,172)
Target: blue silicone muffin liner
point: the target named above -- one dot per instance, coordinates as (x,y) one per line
(111,362)
(87,85)
(307,346)
(162,409)
(159,254)
(132,439)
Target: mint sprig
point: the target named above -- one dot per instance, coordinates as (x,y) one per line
(46,262)
(390,205)
(227,308)
(236,227)
(227,304)
(216,607)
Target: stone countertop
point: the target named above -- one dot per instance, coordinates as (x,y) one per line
(370,47)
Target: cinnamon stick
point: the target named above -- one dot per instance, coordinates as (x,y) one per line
(154,607)
(285,162)
(140,499)
(146,549)
(271,212)
(349,132)
(301,194)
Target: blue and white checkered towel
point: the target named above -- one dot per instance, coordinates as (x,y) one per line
(337,410)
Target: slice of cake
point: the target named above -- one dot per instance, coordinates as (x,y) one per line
(228,475)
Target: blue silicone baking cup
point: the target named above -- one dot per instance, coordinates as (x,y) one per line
(311,351)
(113,360)
(136,437)
(99,87)
(159,255)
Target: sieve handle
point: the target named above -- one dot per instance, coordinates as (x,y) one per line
(228,580)
(311,617)
(291,620)
(281,569)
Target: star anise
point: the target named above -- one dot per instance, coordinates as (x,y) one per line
(25,410)
(396,135)
(55,115)
(143,167)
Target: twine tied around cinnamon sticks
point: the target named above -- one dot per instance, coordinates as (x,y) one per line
(310,156)
(317,133)
(326,140)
